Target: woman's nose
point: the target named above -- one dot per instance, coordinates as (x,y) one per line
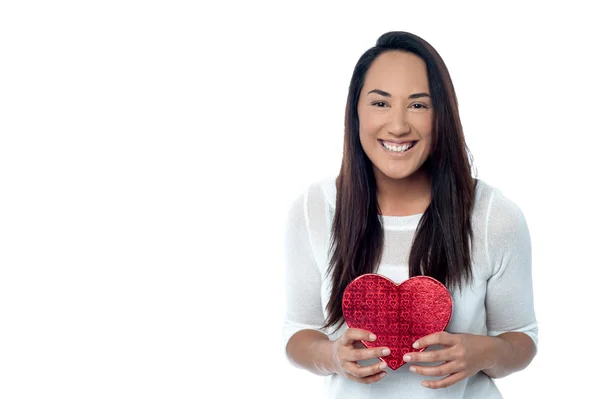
(399,123)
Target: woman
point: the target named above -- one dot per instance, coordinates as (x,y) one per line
(405,204)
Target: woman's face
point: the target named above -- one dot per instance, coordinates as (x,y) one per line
(395,115)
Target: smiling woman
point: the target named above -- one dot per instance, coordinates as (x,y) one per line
(405,204)
(395,125)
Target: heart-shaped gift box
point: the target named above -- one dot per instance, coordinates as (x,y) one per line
(398,314)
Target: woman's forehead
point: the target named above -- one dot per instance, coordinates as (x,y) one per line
(398,73)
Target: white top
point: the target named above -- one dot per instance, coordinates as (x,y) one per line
(500,298)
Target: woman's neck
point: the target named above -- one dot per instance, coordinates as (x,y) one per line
(403,197)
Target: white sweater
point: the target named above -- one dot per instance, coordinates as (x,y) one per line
(500,298)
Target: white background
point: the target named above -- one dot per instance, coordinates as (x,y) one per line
(149,152)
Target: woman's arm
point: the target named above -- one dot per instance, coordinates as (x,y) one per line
(512,351)
(509,299)
(511,343)
(305,346)
(311,350)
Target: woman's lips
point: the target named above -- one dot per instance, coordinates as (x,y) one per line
(410,144)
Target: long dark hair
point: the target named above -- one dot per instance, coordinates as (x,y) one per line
(441,246)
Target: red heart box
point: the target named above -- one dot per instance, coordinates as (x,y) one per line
(398,314)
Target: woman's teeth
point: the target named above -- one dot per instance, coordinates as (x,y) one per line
(399,148)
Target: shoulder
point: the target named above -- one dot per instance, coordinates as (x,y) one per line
(314,198)
(320,191)
(310,218)
(494,207)
(327,186)
(501,220)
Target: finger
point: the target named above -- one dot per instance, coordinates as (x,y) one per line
(355,334)
(438,338)
(441,355)
(368,353)
(373,378)
(444,382)
(370,379)
(365,371)
(435,371)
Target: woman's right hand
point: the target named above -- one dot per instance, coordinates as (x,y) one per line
(346,355)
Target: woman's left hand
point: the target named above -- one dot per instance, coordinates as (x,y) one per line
(463,355)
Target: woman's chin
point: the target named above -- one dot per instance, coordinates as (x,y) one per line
(399,173)
(396,174)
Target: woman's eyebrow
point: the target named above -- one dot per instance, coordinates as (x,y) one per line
(386,94)
(380,92)
(419,95)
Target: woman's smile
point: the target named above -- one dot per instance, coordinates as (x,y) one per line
(397,149)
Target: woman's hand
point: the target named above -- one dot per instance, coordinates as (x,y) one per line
(345,357)
(464,355)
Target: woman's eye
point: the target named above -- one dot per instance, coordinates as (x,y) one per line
(419,106)
(379,104)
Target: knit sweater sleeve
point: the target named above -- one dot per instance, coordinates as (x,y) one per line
(509,299)
(302,277)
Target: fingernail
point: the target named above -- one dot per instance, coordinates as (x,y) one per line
(372,337)
(426,385)
(406,358)
(386,352)
(383,366)
(416,344)
(382,374)
(413,369)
